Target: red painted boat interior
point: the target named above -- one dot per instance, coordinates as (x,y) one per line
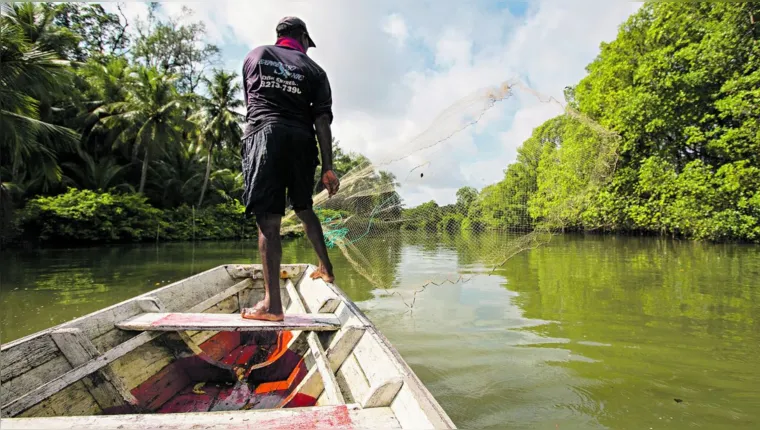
(237,370)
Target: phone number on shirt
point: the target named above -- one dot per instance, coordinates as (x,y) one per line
(283,87)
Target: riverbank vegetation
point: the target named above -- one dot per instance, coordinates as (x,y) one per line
(681,86)
(119,131)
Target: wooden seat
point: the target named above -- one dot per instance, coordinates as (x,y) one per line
(160,321)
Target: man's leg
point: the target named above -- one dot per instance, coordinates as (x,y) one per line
(270,248)
(314,232)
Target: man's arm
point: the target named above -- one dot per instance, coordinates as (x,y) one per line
(324,137)
(322,114)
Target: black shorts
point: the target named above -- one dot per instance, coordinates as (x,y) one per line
(279,163)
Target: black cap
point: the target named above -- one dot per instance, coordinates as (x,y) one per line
(292,23)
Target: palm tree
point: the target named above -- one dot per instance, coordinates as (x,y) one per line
(36,21)
(219,122)
(178,176)
(150,117)
(100,175)
(228,184)
(29,74)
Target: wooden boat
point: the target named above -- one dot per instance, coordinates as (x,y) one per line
(182,357)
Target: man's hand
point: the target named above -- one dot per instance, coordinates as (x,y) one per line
(331,182)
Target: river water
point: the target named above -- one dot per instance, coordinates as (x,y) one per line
(585,332)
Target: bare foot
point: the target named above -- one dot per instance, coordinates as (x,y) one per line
(321,273)
(261,313)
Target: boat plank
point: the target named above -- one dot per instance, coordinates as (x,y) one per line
(105,386)
(408,411)
(19,358)
(146,361)
(112,338)
(322,399)
(194,293)
(382,395)
(102,322)
(32,379)
(352,381)
(332,390)
(226,306)
(379,418)
(431,409)
(317,295)
(209,303)
(227,322)
(337,417)
(337,352)
(71,401)
(255,271)
(296,304)
(342,344)
(47,389)
(178,296)
(383,376)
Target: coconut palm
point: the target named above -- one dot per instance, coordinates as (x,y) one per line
(219,122)
(177,177)
(100,175)
(36,21)
(29,74)
(228,184)
(150,118)
(104,82)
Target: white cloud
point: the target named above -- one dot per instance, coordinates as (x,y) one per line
(395,66)
(395,26)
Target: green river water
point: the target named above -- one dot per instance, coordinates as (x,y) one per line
(583,333)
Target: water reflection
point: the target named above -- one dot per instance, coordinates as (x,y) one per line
(595,332)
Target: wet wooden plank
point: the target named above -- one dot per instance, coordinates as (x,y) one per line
(227,322)
(333,417)
(105,386)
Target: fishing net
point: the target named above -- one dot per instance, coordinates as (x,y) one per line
(549,188)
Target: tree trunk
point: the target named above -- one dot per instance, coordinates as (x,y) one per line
(208,173)
(144,174)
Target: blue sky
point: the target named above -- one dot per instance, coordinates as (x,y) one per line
(396,65)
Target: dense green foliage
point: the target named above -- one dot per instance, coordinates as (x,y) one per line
(139,117)
(681,84)
(681,87)
(84,216)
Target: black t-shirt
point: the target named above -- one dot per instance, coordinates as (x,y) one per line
(284,86)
